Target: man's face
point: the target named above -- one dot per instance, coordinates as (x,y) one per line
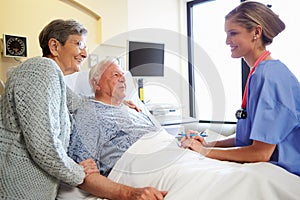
(112,82)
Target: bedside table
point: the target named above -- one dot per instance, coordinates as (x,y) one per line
(176,126)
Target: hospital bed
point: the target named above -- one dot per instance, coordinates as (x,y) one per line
(157,160)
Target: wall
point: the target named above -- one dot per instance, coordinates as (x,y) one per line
(113,14)
(165,22)
(27,18)
(152,21)
(121,20)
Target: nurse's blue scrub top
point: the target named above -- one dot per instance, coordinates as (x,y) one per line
(273,113)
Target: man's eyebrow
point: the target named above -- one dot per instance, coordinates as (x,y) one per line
(118,71)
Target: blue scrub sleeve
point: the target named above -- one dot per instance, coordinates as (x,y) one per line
(275,112)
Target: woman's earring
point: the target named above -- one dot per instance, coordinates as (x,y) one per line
(254,37)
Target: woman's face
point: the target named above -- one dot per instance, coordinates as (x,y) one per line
(240,40)
(71,55)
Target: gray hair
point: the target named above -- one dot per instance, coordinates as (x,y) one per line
(60,30)
(98,69)
(249,14)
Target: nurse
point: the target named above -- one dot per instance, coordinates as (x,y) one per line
(268,121)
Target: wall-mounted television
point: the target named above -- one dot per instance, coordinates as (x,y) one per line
(146,58)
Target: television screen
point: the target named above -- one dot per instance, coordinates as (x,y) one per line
(146,59)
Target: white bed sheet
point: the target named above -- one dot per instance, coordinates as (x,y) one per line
(157,160)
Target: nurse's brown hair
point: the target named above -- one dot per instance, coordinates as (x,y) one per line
(249,14)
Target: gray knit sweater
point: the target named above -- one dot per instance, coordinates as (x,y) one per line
(34,133)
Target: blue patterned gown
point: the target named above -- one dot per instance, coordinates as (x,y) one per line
(104,132)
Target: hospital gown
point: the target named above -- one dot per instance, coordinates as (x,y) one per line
(273,110)
(104,132)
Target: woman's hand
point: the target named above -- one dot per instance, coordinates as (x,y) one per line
(196,137)
(89,166)
(195,143)
(130,104)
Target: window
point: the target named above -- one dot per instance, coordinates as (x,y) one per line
(212,65)
(217,77)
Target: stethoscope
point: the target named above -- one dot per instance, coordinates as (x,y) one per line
(242,113)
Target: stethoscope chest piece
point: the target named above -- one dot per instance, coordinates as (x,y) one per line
(241,114)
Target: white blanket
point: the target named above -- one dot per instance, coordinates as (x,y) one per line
(157,160)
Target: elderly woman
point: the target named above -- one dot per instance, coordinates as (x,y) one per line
(35,125)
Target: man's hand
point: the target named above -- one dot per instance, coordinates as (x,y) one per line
(103,187)
(147,193)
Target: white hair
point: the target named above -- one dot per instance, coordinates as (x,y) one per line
(98,69)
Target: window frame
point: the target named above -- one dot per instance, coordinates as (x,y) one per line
(191,76)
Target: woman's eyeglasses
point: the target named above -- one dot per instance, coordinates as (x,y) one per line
(81,45)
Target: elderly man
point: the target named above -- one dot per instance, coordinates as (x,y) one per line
(105,126)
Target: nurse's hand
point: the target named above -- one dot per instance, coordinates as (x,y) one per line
(195,143)
(194,135)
